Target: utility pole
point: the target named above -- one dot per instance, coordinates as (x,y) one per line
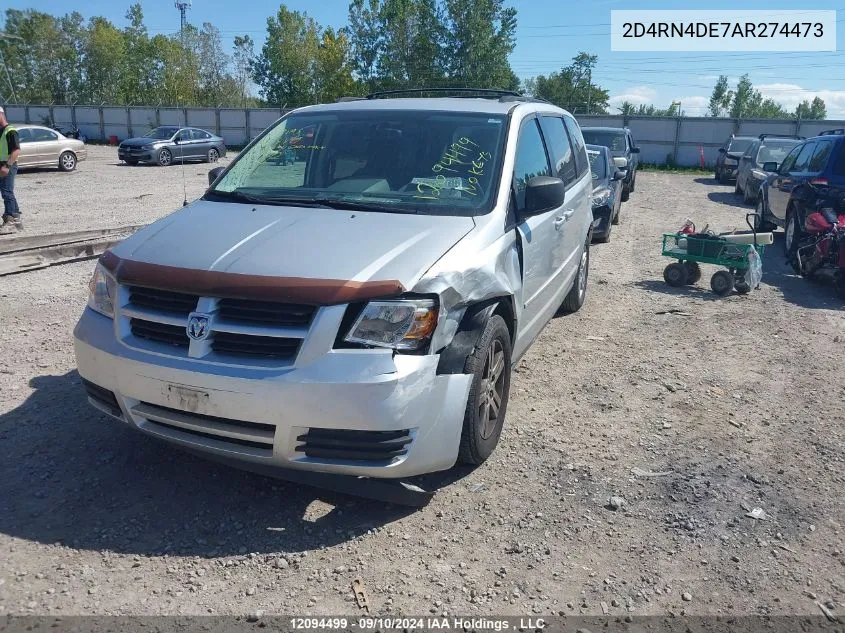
(4,37)
(589,87)
(183,6)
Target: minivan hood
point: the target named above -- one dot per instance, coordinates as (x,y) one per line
(297,242)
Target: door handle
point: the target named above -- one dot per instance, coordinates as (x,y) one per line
(560,221)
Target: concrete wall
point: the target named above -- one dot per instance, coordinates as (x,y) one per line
(661,139)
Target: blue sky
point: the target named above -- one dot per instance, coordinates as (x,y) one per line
(549,35)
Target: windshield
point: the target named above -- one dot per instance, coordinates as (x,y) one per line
(598,164)
(774,151)
(739,145)
(614,140)
(400,161)
(162,133)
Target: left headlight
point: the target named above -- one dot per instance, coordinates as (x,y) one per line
(405,324)
(148,146)
(601,197)
(102,290)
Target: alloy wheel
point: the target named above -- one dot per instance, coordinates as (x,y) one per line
(492,389)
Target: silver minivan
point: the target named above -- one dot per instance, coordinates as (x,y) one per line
(350,294)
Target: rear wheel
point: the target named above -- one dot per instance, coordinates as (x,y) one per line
(490,366)
(67,161)
(578,294)
(693,272)
(213,155)
(791,239)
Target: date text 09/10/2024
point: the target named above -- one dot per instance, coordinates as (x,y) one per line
(422,624)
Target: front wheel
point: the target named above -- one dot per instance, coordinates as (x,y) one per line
(626,193)
(748,195)
(67,161)
(490,366)
(578,294)
(675,275)
(761,225)
(165,158)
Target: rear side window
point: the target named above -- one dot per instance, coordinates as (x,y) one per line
(578,145)
(839,163)
(820,157)
(43,135)
(563,158)
(531,160)
(200,135)
(802,163)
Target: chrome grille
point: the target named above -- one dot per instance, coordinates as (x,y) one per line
(173,335)
(163,300)
(262,334)
(266,312)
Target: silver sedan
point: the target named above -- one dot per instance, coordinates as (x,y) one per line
(44,147)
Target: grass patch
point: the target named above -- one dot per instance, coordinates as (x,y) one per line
(675,169)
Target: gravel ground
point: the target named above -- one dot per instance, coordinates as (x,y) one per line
(103,192)
(693,419)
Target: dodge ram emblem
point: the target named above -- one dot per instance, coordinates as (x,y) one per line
(198,326)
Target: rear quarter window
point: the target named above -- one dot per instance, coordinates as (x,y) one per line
(578,144)
(820,157)
(839,161)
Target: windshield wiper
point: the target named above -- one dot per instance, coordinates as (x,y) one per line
(240,196)
(357,205)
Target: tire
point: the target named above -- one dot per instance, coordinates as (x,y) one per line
(67,161)
(792,234)
(615,218)
(761,225)
(675,275)
(213,155)
(737,190)
(578,294)
(626,193)
(722,282)
(165,158)
(748,198)
(634,183)
(604,239)
(481,432)
(724,178)
(693,272)
(741,287)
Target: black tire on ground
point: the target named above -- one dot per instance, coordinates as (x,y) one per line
(724,178)
(604,239)
(675,275)
(791,240)
(748,196)
(615,218)
(737,190)
(760,224)
(213,155)
(693,272)
(722,282)
(165,158)
(634,183)
(578,294)
(490,366)
(67,161)
(739,283)
(626,193)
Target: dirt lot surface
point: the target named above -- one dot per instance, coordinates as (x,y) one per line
(103,192)
(693,418)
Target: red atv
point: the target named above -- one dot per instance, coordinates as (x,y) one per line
(820,249)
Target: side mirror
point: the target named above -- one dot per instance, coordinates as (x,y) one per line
(621,162)
(620,174)
(214,174)
(770,167)
(635,150)
(543,193)
(722,150)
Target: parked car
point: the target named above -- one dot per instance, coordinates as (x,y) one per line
(621,144)
(166,144)
(814,170)
(356,313)
(730,153)
(750,175)
(43,147)
(607,191)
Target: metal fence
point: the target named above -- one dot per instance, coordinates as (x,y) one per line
(677,140)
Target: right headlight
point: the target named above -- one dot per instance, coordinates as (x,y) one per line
(102,290)
(403,324)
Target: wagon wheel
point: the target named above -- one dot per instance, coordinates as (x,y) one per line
(675,275)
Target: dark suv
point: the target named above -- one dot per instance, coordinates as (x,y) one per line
(730,153)
(813,169)
(750,175)
(621,144)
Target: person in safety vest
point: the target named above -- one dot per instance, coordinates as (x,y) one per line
(10,149)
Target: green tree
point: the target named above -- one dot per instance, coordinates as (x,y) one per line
(815,110)
(333,71)
(365,40)
(572,87)
(102,62)
(721,97)
(479,37)
(242,57)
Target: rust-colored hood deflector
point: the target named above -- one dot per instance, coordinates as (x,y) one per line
(212,283)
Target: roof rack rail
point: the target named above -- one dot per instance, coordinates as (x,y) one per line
(455,92)
(792,136)
(837,131)
(345,99)
(523,98)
